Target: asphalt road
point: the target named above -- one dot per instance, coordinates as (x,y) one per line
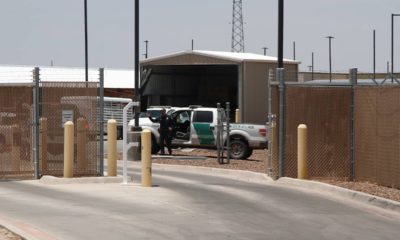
(187,206)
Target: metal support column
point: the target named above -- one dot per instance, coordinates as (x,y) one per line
(228,129)
(353,81)
(36,130)
(218,131)
(281,144)
(269,123)
(101,122)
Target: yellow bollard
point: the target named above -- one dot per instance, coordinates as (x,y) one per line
(302,169)
(16,148)
(68,149)
(112,148)
(146,158)
(43,144)
(81,144)
(237,116)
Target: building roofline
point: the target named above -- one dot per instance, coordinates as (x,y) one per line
(228,56)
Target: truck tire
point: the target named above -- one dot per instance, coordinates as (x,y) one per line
(154,145)
(248,153)
(239,149)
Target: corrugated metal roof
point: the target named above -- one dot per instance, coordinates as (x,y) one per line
(231,56)
(20,75)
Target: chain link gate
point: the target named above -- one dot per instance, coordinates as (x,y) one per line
(16,117)
(222,134)
(82,103)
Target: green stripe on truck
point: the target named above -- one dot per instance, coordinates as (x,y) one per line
(205,135)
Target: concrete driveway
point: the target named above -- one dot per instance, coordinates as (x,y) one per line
(186,206)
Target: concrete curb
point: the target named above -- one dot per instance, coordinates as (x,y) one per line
(304,185)
(24,230)
(241,175)
(248,176)
(339,192)
(82,180)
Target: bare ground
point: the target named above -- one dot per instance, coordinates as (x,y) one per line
(5,234)
(257,163)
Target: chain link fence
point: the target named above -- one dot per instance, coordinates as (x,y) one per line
(34,105)
(15,132)
(377,132)
(340,116)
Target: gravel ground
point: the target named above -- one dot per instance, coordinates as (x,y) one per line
(5,234)
(257,162)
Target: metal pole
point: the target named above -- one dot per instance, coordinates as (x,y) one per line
(137,97)
(392,52)
(146,55)
(192,44)
(353,81)
(86,44)
(312,66)
(265,51)
(330,58)
(280,32)
(393,15)
(218,133)
(294,50)
(388,67)
(374,54)
(228,149)
(101,123)
(36,130)
(280,77)
(269,129)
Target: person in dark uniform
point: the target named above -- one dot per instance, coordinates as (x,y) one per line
(165,130)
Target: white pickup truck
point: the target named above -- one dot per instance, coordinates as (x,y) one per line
(196,128)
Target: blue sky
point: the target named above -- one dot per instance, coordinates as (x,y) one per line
(34,32)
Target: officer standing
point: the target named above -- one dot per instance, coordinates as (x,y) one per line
(165,130)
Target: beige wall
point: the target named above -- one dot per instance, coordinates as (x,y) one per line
(255,89)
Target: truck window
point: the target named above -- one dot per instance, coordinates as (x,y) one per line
(203,116)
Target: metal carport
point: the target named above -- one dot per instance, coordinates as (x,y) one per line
(207,77)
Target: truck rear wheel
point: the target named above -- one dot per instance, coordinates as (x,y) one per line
(239,149)
(249,153)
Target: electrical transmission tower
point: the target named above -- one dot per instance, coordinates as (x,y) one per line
(237,27)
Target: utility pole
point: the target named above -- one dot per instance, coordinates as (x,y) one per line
(86,44)
(280,32)
(330,58)
(265,50)
(374,54)
(137,69)
(146,55)
(393,15)
(312,66)
(294,50)
(192,44)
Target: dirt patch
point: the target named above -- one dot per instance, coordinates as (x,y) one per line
(257,163)
(5,234)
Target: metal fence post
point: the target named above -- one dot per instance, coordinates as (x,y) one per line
(228,130)
(280,78)
(218,133)
(36,131)
(353,81)
(101,122)
(269,124)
